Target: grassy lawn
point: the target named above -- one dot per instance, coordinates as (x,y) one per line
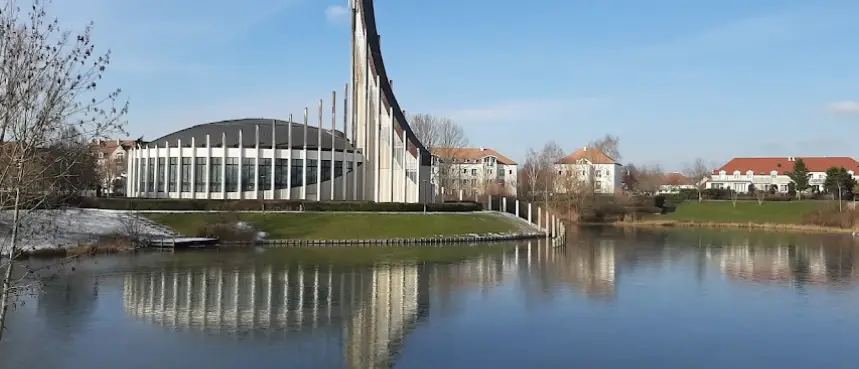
(341,226)
(780,212)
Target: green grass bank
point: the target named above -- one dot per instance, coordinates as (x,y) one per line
(344,226)
(778,212)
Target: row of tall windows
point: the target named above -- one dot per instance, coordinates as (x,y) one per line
(164,178)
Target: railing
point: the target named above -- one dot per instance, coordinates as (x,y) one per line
(534,213)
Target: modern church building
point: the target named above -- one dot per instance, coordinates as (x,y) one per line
(375,157)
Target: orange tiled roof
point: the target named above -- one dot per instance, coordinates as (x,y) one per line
(783,165)
(593,155)
(472,153)
(109,146)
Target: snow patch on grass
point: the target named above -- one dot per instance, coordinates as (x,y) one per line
(44,229)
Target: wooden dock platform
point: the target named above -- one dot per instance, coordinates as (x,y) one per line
(183,242)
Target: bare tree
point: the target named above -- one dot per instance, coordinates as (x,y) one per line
(573,192)
(698,171)
(531,173)
(649,178)
(734,196)
(761,195)
(609,145)
(551,154)
(445,139)
(48,108)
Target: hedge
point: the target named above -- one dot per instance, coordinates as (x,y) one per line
(269,205)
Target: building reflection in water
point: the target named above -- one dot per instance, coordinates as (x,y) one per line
(364,312)
(829,264)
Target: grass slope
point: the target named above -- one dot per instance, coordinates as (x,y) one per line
(343,226)
(777,212)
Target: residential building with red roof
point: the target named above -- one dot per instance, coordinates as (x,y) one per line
(764,173)
(111,157)
(589,163)
(473,171)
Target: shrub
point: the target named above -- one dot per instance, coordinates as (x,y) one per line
(268,205)
(829,216)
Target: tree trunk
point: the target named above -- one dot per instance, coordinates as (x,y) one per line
(6,292)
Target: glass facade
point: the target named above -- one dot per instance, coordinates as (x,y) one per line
(190,174)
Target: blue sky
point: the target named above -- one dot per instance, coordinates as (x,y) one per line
(674,79)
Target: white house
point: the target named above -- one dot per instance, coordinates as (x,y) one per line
(764,173)
(590,164)
(475,171)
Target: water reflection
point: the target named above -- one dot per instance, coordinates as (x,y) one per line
(227,309)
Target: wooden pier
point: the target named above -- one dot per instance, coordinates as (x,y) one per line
(183,242)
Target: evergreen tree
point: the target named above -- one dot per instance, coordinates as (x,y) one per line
(800,176)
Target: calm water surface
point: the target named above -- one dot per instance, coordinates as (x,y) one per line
(610,299)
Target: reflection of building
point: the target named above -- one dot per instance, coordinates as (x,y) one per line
(788,264)
(372,309)
(592,268)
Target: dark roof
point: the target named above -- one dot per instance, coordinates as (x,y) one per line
(248,129)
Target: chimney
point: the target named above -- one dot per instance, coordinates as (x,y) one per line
(585,148)
(482,148)
(118,142)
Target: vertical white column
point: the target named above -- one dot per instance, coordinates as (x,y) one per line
(529,213)
(392,144)
(167,176)
(224,165)
(304,160)
(517,207)
(289,160)
(489,202)
(208,174)
(274,157)
(405,167)
(377,147)
(256,163)
(345,140)
(366,120)
(157,173)
(193,167)
(241,162)
(179,168)
(461,194)
(333,161)
(539,218)
(129,179)
(351,108)
(504,204)
(319,155)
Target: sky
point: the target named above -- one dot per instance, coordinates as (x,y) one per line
(675,80)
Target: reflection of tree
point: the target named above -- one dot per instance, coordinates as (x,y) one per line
(68,302)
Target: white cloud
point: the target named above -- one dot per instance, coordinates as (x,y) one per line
(850,107)
(336,13)
(524,111)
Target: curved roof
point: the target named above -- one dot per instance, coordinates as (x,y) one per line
(248,129)
(387,89)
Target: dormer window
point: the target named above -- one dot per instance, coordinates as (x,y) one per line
(774,173)
(723,174)
(750,174)
(737,174)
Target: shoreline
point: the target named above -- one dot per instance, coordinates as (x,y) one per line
(786,227)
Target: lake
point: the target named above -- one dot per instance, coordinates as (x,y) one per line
(611,298)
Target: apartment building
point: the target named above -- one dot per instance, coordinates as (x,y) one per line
(111,156)
(589,164)
(474,171)
(765,173)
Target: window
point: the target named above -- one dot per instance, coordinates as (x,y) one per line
(326,170)
(264,175)
(598,173)
(349,166)
(281,173)
(296,172)
(510,171)
(141,184)
(150,182)
(465,171)
(338,168)
(474,172)
(311,172)
(186,175)
(171,178)
(162,169)
(232,174)
(101,155)
(215,174)
(199,174)
(248,174)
